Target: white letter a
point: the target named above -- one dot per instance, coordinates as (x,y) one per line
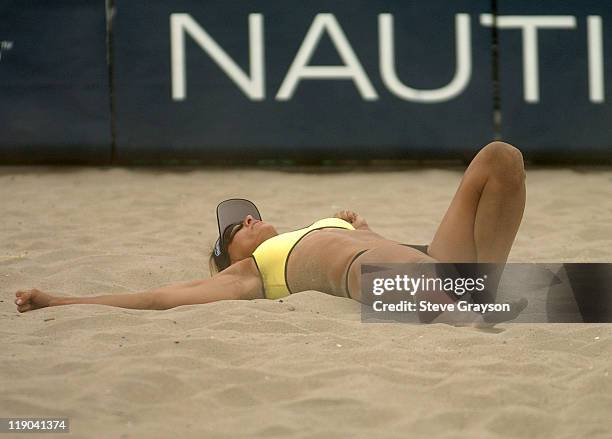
(351,69)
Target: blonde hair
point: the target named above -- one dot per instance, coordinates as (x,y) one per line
(212,265)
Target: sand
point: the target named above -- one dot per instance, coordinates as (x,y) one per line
(303,367)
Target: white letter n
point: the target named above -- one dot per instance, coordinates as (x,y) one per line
(253,87)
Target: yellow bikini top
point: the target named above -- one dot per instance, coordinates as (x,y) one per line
(272,254)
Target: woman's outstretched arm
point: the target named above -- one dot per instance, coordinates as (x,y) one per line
(240,281)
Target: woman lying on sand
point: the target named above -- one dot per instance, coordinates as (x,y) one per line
(252,261)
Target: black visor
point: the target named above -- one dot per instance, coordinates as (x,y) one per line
(229,213)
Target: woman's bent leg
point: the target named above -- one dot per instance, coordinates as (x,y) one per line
(484,216)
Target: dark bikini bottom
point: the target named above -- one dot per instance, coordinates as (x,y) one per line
(421,248)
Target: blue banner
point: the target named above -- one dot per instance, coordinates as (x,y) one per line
(54,103)
(301,79)
(305,80)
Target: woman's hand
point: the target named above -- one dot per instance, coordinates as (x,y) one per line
(355,219)
(27,300)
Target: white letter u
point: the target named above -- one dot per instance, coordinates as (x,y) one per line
(463,70)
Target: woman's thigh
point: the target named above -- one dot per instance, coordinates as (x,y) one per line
(454,238)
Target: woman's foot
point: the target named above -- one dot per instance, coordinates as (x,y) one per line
(479,320)
(27,300)
(491,318)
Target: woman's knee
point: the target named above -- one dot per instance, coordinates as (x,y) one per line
(504,162)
